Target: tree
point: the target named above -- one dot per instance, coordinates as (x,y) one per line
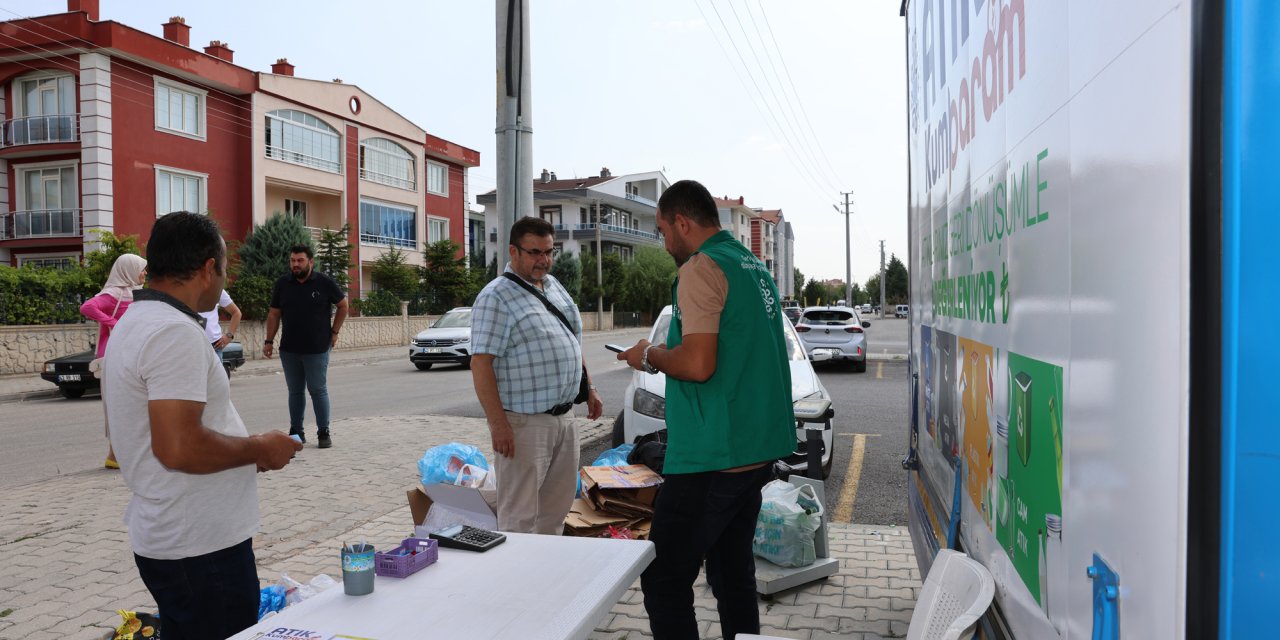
(97,263)
(568,270)
(266,251)
(799,281)
(614,280)
(445,280)
(814,293)
(873,289)
(648,281)
(333,256)
(390,273)
(896,281)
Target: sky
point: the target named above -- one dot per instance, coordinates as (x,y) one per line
(787,103)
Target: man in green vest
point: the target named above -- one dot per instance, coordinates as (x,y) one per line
(728,412)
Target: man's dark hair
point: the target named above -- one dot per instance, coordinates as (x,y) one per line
(302,248)
(529,225)
(180,243)
(691,200)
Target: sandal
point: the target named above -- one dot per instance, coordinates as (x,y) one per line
(111,464)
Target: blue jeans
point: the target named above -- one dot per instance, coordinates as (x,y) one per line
(309,371)
(709,515)
(210,596)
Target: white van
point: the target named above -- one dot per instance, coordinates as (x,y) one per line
(900,311)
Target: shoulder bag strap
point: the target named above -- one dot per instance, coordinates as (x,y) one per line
(550,307)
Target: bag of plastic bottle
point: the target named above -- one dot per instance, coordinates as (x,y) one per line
(789,516)
(443,463)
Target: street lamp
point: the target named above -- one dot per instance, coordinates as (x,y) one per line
(848,252)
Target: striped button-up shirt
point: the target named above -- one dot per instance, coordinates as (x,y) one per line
(537,360)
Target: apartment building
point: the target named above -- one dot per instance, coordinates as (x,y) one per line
(617,212)
(106,127)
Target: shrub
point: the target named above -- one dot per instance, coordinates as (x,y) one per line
(378,303)
(252,294)
(266,251)
(31,295)
(97,264)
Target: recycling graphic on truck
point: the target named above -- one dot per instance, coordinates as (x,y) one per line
(1080,173)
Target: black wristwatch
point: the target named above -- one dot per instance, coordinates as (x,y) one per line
(270,342)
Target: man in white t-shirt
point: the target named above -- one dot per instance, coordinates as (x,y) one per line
(183,450)
(212,328)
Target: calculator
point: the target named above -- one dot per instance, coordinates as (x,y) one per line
(468,538)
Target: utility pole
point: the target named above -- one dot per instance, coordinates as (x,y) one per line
(882,287)
(515,122)
(848,249)
(599,269)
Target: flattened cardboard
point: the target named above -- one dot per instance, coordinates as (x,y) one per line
(622,490)
(461,504)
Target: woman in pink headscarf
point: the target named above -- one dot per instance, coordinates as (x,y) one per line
(127,274)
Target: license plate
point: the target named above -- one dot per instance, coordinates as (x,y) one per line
(71,377)
(433,349)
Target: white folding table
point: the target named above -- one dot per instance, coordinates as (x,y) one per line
(531,586)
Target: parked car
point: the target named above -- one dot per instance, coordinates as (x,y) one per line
(837,331)
(792,313)
(448,340)
(72,375)
(866,308)
(644,402)
(900,311)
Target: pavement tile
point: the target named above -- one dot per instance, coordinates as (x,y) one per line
(59,576)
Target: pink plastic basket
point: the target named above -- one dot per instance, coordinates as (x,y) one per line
(402,562)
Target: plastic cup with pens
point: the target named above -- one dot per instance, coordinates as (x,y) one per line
(357,569)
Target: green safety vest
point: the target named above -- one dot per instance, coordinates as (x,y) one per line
(742,414)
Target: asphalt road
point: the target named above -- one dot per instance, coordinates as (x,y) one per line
(50,437)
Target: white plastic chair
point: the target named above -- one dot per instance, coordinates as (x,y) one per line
(956,593)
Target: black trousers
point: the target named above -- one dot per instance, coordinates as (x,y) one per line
(708,515)
(212,596)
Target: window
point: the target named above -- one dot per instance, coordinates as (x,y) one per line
(389,225)
(48,262)
(301,138)
(179,109)
(48,202)
(550,213)
(297,209)
(437,179)
(384,161)
(47,107)
(178,190)
(437,229)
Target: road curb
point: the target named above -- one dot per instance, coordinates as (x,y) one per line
(23,396)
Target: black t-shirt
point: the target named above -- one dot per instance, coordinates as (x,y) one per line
(306,310)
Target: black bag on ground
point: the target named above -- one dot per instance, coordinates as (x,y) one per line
(650,451)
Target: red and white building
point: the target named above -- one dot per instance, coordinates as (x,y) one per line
(106,127)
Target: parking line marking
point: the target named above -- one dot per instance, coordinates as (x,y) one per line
(844,509)
(880,370)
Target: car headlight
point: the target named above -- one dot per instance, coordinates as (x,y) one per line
(649,404)
(463,339)
(813,408)
(50,367)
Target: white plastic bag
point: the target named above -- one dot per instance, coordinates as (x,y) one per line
(789,517)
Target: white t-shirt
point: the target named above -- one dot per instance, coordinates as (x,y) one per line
(157,352)
(213,330)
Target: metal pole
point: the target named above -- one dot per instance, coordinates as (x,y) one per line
(599,271)
(882,283)
(848,251)
(514,122)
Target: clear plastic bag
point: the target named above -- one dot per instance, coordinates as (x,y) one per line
(789,517)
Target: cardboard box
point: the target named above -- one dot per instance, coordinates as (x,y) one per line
(622,490)
(437,506)
(584,521)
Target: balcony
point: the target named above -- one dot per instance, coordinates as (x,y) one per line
(40,130)
(642,200)
(610,228)
(41,223)
(388,241)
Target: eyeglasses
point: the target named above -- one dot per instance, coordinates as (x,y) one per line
(538,253)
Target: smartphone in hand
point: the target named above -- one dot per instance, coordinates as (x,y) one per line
(615,348)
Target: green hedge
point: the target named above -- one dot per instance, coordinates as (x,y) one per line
(30,295)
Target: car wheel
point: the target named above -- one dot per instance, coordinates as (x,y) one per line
(466,362)
(422,366)
(859,366)
(227,368)
(71,393)
(619,431)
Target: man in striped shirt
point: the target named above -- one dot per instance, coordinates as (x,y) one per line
(527,365)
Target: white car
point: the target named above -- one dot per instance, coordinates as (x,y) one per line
(448,340)
(644,403)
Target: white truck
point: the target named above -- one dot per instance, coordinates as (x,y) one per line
(1093,310)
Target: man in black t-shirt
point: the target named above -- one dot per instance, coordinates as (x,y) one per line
(304,299)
